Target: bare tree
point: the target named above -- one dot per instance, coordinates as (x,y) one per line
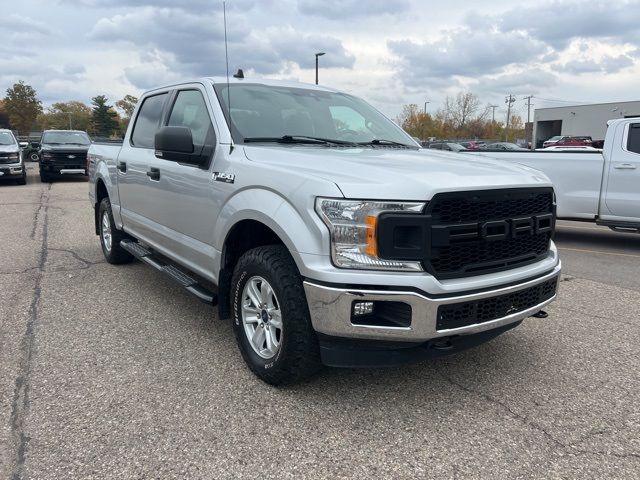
(462,109)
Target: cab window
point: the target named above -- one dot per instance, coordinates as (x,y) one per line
(633,140)
(148,121)
(190,110)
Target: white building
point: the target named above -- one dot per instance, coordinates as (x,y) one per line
(589,120)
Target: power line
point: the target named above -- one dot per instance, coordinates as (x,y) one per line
(557,100)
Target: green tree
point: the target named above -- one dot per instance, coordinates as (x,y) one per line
(73,115)
(22,106)
(126,105)
(104,119)
(4,116)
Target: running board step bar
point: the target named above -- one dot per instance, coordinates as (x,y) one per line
(187,282)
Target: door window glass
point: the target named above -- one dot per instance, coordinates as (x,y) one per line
(189,110)
(633,142)
(148,121)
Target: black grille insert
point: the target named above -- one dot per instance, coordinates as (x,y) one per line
(462,234)
(463,314)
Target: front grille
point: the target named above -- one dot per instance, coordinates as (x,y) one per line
(62,159)
(481,232)
(463,314)
(4,159)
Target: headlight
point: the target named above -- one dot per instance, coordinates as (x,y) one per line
(46,156)
(14,156)
(353,225)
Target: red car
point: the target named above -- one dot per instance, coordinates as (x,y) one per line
(574,142)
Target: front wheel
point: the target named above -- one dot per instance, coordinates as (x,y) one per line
(271,318)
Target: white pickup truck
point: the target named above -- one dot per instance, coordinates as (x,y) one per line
(594,186)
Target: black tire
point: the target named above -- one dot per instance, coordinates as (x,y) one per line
(298,356)
(44,178)
(23,180)
(115,255)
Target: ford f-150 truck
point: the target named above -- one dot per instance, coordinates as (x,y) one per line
(63,153)
(11,162)
(315,223)
(601,187)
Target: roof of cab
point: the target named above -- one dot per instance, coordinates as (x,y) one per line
(233,80)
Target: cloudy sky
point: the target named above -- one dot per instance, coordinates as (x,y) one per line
(390,52)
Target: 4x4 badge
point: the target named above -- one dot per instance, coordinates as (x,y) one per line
(224,177)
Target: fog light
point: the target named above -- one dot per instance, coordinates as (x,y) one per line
(362,308)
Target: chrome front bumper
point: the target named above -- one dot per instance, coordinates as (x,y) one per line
(9,169)
(330,309)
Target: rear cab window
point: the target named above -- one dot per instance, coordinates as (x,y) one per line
(633,139)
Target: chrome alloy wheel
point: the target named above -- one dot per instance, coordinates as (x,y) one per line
(261,317)
(107,238)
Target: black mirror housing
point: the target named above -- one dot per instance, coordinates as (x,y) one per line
(176,144)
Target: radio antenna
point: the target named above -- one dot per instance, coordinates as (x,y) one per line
(226,59)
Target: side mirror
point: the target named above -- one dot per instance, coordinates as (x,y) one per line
(176,144)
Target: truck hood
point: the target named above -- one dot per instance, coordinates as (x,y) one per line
(393,174)
(9,148)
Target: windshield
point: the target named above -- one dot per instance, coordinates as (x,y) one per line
(554,139)
(6,138)
(264,111)
(67,138)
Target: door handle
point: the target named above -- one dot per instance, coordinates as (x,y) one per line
(153,173)
(624,166)
(122,166)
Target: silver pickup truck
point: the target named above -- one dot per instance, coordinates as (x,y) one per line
(316,225)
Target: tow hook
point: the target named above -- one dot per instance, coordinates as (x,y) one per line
(540,314)
(442,344)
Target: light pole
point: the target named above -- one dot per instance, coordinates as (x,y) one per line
(319,54)
(69,113)
(425,106)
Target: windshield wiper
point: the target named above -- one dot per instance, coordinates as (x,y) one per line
(298,139)
(379,141)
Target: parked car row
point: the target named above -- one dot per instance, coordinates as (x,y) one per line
(59,153)
(475,145)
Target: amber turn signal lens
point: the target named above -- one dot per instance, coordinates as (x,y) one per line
(372,241)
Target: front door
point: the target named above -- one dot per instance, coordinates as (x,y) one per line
(623,186)
(183,210)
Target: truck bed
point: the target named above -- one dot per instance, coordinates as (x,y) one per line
(576,176)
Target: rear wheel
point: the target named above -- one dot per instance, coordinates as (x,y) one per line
(110,236)
(271,318)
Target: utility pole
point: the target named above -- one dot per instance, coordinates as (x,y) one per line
(508,100)
(425,106)
(528,99)
(493,113)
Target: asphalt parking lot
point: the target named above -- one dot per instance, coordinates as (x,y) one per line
(115,372)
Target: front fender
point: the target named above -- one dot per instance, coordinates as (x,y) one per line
(300,229)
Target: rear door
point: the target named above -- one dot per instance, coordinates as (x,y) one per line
(623,186)
(136,159)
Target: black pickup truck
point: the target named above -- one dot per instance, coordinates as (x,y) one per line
(63,153)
